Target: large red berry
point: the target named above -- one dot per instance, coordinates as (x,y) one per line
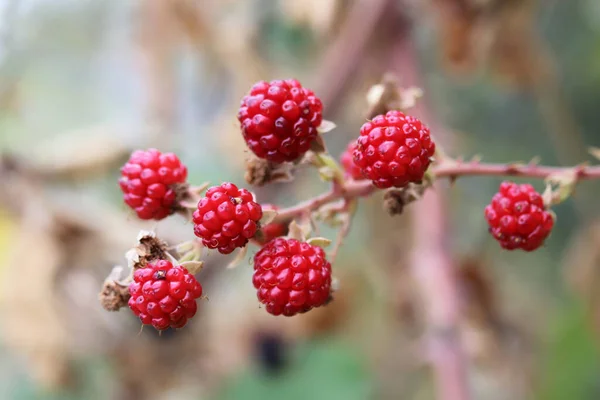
(393,150)
(148,181)
(280,119)
(226,218)
(163,295)
(517,217)
(291,276)
(347,159)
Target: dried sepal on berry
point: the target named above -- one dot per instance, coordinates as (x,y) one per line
(148,248)
(394,200)
(260,172)
(269,228)
(559,187)
(326,126)
(239,258)
(115,290)
(300,232)
(321,242)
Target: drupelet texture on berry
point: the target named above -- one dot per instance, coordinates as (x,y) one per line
(393,150)
(279,119)
(517,217)
(149,183)
(347,159)
(226,218)
(163,295)
(291,276)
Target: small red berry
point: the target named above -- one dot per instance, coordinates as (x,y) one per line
(163,295)
(271,230)
(517,217)
(291,277)
(280,119)
(347,159)
(148,181)
(393,150)
(226,218)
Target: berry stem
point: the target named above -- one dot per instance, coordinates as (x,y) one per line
(449,168)
(345,190)
(454,169)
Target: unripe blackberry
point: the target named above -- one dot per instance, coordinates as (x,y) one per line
(517,217)
(291,276)
(163,295)
(226,218)
(347,159)
(149,182)
(280,119)
(393,150)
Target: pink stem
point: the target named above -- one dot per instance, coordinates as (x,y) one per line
(453,170)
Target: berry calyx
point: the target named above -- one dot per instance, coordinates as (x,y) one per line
(279,119)
(347,160)
(164,295)
(271,230)
(226,218)
(517,217)
(291,277)
(393,150)
(150,181)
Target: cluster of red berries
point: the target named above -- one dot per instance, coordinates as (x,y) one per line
(279,121)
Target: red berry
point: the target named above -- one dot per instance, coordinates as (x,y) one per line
(280,119)
(347,159)
(226,218)
(291,276)
(517,217)
(393,150)
(163,295)
(148,182)
(272,230)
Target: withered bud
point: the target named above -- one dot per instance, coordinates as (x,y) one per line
(384,96)
(259,172)
(394,200)
(148,249)
(113,296)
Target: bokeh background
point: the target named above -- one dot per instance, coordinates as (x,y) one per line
(83,82)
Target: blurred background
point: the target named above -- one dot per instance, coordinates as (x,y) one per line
(83,82)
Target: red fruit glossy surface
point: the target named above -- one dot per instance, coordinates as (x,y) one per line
(279,119)
(291,277)
(226,218)
(148,182)
(517,218)
(163,295)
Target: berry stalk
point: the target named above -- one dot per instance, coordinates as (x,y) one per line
(446,169)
